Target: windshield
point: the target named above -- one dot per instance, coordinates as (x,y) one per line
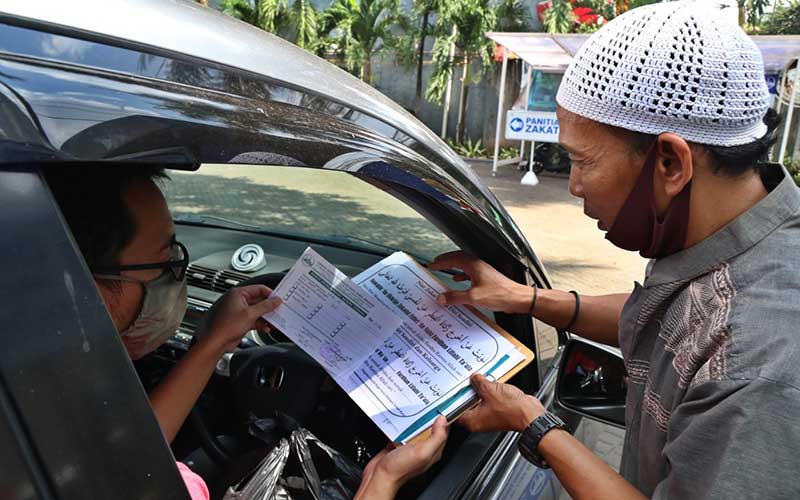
(309,203)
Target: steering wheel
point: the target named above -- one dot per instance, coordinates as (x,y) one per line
(265,380)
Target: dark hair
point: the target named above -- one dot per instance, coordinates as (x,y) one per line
(732,161)
(91,199)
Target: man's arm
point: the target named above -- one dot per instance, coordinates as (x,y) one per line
(598,318)
(504,407)
(581,472)
(237,312)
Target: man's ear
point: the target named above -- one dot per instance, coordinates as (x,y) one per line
(673,170)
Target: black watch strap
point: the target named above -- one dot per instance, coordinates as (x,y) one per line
(533,434)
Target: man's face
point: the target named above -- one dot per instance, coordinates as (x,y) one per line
(604,166)
(153,235)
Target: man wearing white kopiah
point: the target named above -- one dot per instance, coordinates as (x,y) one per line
(664,114)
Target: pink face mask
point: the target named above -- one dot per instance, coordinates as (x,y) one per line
(637,226)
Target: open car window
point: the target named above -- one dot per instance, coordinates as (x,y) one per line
(331,206)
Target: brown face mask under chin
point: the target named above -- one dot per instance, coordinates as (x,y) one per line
(637,226)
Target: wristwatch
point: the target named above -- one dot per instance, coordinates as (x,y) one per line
(533,434)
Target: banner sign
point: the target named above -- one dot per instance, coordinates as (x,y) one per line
(538,126)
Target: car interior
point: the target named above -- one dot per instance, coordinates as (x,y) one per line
(260,219)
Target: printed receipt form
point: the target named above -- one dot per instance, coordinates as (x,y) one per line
(401,356)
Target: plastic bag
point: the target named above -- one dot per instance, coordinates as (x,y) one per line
(262,484)
(299,468)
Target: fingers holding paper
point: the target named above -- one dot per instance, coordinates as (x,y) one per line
(490,288)
(237,312)
(503,407)
(395,465)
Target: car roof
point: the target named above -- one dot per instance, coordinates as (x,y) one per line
(205,33)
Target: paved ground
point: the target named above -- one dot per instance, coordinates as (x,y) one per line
(573,250)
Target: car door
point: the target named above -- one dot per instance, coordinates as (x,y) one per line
(75,422)
(104,99)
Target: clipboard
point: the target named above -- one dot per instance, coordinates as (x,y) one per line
(528,355)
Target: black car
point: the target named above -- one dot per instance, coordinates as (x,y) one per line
(270,150)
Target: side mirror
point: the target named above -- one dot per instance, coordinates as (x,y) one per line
(592,381)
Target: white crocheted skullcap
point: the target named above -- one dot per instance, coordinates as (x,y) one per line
(671,67)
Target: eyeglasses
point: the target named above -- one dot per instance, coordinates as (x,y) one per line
(177,264)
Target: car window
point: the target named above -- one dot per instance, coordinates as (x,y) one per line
(328,205)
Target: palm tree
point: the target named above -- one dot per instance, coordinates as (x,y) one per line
(785,19)
(297,22)
(463,23)
(260,13)
(751,12)
(361,29)
(424,9)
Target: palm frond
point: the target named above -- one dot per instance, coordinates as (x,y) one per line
(269,12)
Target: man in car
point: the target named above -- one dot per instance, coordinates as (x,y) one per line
(123,227)
(664,114)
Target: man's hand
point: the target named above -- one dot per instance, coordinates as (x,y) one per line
(503,407)
(236,313)
(392,467)
(490,289)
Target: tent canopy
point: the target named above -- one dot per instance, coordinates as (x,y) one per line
(553,52)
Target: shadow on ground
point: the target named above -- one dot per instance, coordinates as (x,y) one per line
(281,209)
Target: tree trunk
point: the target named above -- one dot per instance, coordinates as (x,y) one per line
(462,100)
(420,60)
(742,12)
(449,87)
(367,68)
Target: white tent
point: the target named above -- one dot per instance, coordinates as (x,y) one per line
(552,53)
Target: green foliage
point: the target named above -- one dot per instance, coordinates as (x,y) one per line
(472,19)
(793,167)
(469,149)
(751,12)
(304,18)
(512,16)
(297,22)
(362,29)
(785,20)
(443,67)
(559,17)
(263,14)
(404,47)
(507,153)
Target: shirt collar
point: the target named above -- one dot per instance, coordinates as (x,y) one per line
(781,203)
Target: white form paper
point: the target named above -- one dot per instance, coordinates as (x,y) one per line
(422,369)
(402,357)
(328,316)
